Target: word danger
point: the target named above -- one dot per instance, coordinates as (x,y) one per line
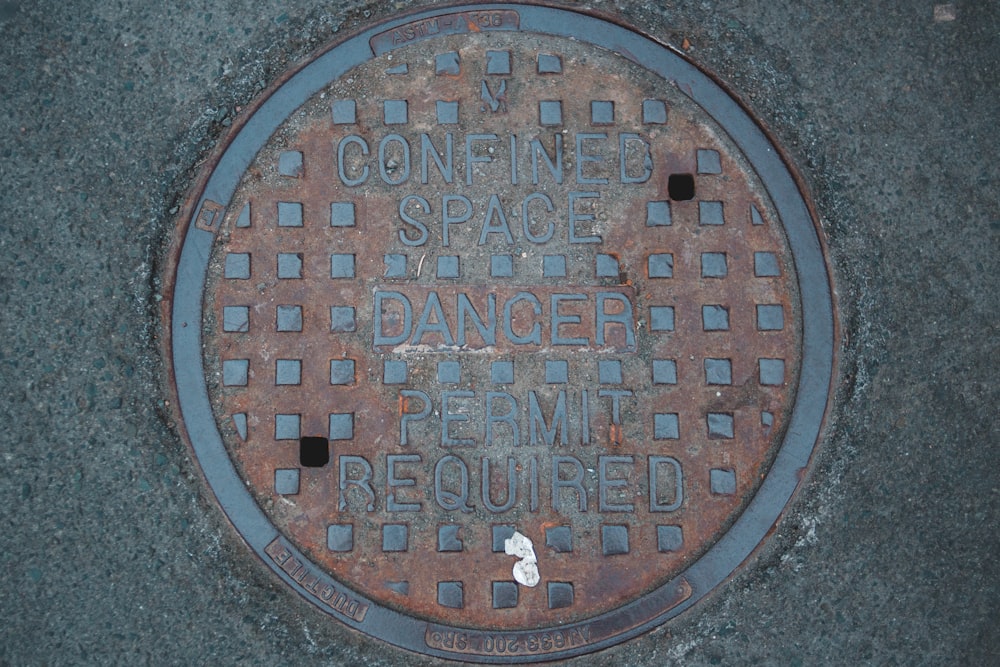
(503,318)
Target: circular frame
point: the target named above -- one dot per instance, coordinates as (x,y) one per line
(186,272)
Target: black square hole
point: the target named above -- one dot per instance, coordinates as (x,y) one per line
(314,451)
(681,187)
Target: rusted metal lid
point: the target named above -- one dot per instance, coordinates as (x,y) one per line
(501,333)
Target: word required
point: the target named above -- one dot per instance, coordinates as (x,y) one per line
(566,483)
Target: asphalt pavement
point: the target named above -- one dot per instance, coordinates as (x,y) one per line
(111,549)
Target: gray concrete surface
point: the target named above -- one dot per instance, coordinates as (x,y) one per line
(111,551)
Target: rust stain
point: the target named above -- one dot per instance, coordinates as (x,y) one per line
(686,389)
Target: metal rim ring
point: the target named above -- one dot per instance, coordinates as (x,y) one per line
(183,312)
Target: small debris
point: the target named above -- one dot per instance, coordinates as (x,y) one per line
(526,569)
(944,13)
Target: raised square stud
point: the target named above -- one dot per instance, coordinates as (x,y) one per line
(344,112)
(289,318)
(447,266)
(658,214)
(609,372)
(342,426)
(654,112)
(549,63)
(236,318)
(290,164)
(772,372)
(559,539)
(342,214)
(395,266)
(450,594)
(498,62)
(341,371)
(765,265)
(504,594)
(714,318)
(235,372)
(661,318)
(501,266)
(288,371)
(446,63)
(243,220)
(394,371)
(556,372)
(237,266)
(607,266)
(560,594)
(660,265)
(720,425)
(500,534)
(666,426)
(614,540)
(340,537)
(554,266)
(394,112)
(447,112)
(669,538)
(286,481)
(342,319)
(240,422)
(448,540)
(289,265)
(401,587)
(286,427)
(502,372)
(664,371)
(341,266)
(449,372)
(395,537)
(718,371)
(709,161)
(550,112)
(722,482)
(602,112)
(710,213)
(713,265)
(289,214)
(770,317)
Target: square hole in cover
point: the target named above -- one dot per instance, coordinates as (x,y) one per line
(680,187)
(314,451)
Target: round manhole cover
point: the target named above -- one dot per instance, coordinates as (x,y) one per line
(501,333)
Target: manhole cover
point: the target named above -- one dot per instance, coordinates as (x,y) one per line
(501,334)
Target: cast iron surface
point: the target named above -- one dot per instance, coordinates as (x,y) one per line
(456,248)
